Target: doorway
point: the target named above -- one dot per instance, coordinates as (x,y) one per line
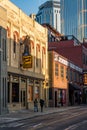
(55,98)
(23,98)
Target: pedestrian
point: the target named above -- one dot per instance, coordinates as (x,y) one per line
(41,104)
(35,105)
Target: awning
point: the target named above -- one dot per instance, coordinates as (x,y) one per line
(74,86)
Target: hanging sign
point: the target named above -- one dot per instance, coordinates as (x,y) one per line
(27,61)
(85,78)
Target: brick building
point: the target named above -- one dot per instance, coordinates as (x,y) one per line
(74,51)
(64,80)
(67,47)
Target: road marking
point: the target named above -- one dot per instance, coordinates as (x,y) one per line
(19,124)
(56,121)
(73,127)
(12,125)
(37,125)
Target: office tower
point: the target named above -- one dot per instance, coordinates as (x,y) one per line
(49,13)
(82,19)
(74,18)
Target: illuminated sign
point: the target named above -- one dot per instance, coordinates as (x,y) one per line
(85,78)
(27,62)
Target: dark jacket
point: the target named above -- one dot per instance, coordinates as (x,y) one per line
(41,102)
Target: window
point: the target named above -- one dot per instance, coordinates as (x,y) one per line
(62,71)
(15,41)
(56,69)
(15,92)
(56,21)
(8,92)
(14,44)
(30,93)
(86,60)
(3,91)
(83,58)
(4,48)
(71,75)
(43,57)
(37,56)
(75,76)
(67,74)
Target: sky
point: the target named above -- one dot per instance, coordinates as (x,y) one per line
(28,6)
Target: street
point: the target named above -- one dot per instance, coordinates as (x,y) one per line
(74,119)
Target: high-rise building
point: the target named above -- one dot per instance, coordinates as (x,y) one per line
(74,18)
(49,13)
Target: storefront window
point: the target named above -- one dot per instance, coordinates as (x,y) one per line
(36,92)
(62,96)
(30,93)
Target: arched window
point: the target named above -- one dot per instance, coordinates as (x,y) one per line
(32,44)
(15,41)
(37,54)
(27,44)
(14,44)
(43,57)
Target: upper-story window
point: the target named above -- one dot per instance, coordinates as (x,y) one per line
(67,71)
(56,69)
(4,48)
(31,46)
(37,54)
(43,57)
(15,41)
(71,75)
(84,59)
(62,71)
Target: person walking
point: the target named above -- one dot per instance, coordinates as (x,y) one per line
(35,105)
(41,104)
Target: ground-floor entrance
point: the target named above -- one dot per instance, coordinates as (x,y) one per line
(74,94)
(58,97)
(22,91)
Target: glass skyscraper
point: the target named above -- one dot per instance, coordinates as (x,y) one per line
(49,12)
(74,18)
(82,17)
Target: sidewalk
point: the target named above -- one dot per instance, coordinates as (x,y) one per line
(24,114)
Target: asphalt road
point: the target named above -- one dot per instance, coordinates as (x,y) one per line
(75,119)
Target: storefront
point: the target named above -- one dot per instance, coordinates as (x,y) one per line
(22,91)
(62,97)
(58,97)
(74,94)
